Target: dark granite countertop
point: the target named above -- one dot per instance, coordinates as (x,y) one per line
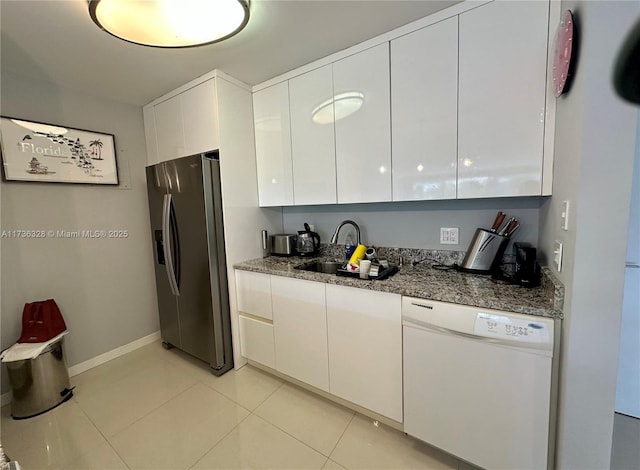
(426,282)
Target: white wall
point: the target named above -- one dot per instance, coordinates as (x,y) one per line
(594,148)
(105,288)
(417,224)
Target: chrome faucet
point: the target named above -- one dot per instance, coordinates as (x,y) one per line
(334,238)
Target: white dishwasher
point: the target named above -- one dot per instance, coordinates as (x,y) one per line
(478,383)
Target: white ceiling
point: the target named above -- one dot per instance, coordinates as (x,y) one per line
(56,41)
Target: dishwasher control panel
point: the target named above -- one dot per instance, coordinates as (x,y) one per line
(528,330)
(494,325)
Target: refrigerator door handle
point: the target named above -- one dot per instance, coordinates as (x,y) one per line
(166,236)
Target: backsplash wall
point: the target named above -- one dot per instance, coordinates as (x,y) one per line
(417,224)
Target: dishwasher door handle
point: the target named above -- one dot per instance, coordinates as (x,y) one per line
(533,347)
(441,329)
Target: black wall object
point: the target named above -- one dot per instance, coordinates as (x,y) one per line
(626,74)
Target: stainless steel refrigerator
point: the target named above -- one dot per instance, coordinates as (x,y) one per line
(185,207)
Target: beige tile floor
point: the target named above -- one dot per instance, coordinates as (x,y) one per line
(157,409)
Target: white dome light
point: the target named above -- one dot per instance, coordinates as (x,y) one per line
(170,23)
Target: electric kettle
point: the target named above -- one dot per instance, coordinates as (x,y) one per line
(308,242)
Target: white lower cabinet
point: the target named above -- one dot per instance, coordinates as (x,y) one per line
(300,330)
(256,341)
(343,340)
(365,348)
(253,291)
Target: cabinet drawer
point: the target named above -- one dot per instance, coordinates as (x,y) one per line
(256,341)
(254,294)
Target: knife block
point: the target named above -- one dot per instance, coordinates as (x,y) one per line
(485,252)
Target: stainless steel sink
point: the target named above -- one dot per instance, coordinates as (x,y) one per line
(327,267)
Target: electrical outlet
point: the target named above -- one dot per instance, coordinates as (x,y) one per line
(564,216)
(557,255)
(449,235)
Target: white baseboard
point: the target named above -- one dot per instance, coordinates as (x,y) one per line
(5,398)
(109,355)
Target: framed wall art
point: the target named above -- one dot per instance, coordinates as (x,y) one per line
(33,151)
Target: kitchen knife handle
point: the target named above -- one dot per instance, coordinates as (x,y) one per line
(498,221)
(512,229)
(503,231)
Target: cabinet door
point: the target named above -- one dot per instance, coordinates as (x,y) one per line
(150,135)
(365,348)
(253,292)
(312,137)
(300,330)
(273,145)
(424,100)
(169,129)
(362,126)
(200,118)
(503,63)
(256,341)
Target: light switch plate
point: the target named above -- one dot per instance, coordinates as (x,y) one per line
(449,235)
(557,255)
(564,216)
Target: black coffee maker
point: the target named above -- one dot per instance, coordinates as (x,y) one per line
(527,271)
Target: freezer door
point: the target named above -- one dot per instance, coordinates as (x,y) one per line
(167,302)
(187,191)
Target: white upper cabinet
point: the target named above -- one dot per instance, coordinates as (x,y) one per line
(273,145)
(455,108)
(362,126)
(149,119)
(312,137)
(184,124)
(169,129)
(503,63)
(424,96)
(200,118)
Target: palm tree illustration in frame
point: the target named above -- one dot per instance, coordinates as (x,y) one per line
(96,149)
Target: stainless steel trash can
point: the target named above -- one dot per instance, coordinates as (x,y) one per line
(39,385)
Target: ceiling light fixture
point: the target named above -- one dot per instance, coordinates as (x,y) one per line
(170,23)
